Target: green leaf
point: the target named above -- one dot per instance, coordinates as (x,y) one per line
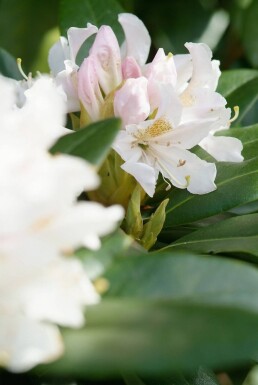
(231,80)
(77,13)
(234,235)
(8,65)
(156,337)
(184,207)
(177,276)
(240,88)
(91,143)
(250,32)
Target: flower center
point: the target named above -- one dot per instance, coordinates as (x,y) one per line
(159,127)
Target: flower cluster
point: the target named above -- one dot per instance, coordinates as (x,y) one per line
(167,106)
(41,223)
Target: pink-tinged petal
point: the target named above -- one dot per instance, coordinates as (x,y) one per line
(205,72)
(107,59)
(144,174)
(130,68)
(131,102)
(137,39)
(77,36)
(88,88)
(162,69)
(58,53)
(223,148)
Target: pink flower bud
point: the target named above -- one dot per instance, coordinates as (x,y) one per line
(107,59)
(130,68)
(88,88)
(131,102)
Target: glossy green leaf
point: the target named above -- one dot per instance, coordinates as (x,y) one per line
(156,337)
(200,377)
(234,235)
(8,65)
(185,277)
(77,13)
(184,207)
(231,80)
(91,143)
(240,88)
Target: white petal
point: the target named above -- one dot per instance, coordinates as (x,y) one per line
(186,170)
(144,174)
(201,173)
(203,104)
(124,145)
(58,53)
(137,39)
(184,69)
(205,74)
(77,36)
(185,135)
(86,219)
(67,79)
(170,107)
(25,343)
(62,289)
(223,148)
(162,69)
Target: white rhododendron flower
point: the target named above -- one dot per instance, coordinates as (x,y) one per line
(167,106)
(41,224)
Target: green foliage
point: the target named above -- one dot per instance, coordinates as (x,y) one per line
(91,143)
(235,235)
(78,13)
(156,337)
(8,65)
(23,24)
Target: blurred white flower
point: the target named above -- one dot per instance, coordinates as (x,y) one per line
(41,224)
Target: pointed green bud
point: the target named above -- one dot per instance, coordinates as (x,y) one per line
(133,223)
(153,227)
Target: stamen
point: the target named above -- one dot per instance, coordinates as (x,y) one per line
(236,110)
(159,127)
(19,61)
